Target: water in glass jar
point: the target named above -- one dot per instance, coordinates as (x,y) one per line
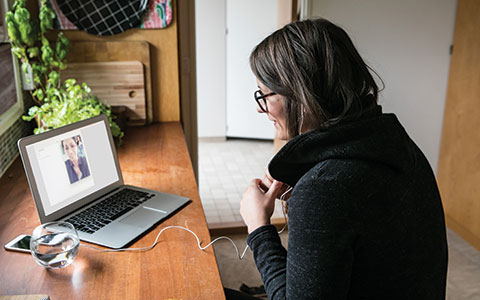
(56,250)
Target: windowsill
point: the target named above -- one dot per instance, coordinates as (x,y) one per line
(10,116)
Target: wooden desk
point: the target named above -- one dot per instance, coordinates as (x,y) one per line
(154,157)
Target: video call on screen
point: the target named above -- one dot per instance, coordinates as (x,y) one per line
(72,165)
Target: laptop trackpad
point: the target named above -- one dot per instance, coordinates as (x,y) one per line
(143,218)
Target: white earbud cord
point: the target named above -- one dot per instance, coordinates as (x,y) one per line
(240,257)
(301,121)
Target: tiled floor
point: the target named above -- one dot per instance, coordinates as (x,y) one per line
(463,269)
(225,170)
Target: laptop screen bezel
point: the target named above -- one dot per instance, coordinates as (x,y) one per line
(29,140)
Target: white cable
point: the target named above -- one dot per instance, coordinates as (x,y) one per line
(158,236)
(301,121)
(282,198)
(240,257)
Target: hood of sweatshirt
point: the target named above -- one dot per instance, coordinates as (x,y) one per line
(379,138)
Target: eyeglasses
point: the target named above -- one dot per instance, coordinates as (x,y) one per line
(258,95)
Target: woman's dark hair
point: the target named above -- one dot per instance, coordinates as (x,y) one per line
(315,66)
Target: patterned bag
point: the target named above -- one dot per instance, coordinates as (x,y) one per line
(103,17)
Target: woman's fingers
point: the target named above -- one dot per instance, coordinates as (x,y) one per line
(266,183)
(275,189)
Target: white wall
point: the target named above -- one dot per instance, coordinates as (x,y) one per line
(407,42)
(210,24)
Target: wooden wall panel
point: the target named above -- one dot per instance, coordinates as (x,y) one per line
(459,163)
(164,64)
(188,78)
(114,51)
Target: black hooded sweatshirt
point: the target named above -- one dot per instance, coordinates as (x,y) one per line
(365,217)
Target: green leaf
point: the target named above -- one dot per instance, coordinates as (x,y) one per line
(12,29)
(54,75)
(18,4)
(33,52)
(45,41)
(86,88)
(39,94)
(25,26)
(17,51)
(47,54)
(10,16)
(70,82)
(25,67)
(37,79)
(27,118)
(33,111)
(46,16)
(22,15)
(64,41)
(52,93)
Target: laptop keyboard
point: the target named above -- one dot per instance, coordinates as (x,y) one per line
(109,209)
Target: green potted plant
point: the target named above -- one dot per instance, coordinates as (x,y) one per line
(57,102)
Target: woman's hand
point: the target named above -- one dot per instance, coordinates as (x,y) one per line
(257,204)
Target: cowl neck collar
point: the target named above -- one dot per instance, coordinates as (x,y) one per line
(379,138)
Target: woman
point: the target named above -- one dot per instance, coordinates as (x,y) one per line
(365,215)
(77,166)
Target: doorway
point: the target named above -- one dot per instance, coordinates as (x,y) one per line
(248,23)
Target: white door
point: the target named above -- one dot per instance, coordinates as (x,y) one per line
(248,23)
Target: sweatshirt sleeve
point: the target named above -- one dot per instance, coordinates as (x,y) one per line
(320,247)
(270,258)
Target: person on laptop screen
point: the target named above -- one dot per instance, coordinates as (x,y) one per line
(76,163)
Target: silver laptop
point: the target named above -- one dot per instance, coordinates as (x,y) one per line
(74,176)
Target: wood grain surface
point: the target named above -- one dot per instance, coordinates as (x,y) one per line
(116,51)
(153,157)
(459,162)
(114,83)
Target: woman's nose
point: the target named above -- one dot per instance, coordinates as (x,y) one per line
(259,110)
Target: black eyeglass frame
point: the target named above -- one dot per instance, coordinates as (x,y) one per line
(258,95)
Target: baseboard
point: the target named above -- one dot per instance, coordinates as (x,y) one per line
(225,228)
(212,139)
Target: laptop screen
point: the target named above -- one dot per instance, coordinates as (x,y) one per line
(72,165)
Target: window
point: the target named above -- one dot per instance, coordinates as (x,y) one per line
(8,92)
(11,103)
